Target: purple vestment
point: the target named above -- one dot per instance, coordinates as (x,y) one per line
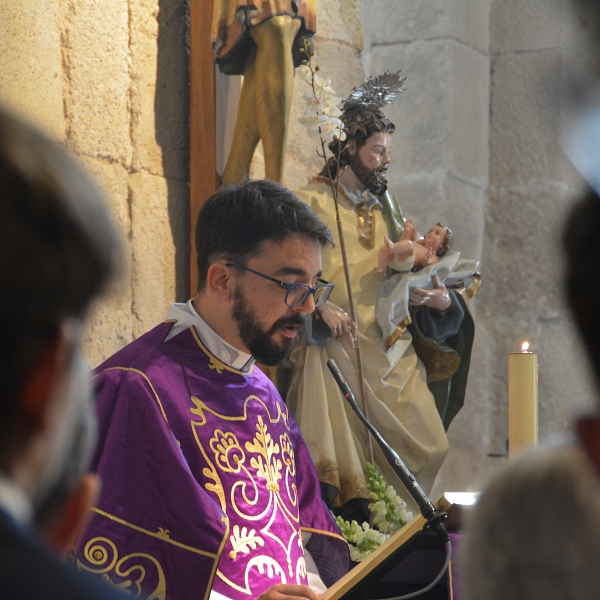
(206,479)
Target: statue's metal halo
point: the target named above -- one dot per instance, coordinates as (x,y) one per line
(375,92)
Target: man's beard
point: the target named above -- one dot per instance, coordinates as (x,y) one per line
(260,342)
(374,179)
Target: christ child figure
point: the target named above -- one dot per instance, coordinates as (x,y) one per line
(413,251)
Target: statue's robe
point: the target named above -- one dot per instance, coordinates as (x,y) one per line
(400,403)
(232,20)
(207,482)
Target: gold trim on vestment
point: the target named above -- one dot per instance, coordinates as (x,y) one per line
(354,486)
(400,329)
(327,472)
(160,535)
(215,363)
(322,532)
(162,410)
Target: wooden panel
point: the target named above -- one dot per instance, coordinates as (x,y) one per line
(203,166)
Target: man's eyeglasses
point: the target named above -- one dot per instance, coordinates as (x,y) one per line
(296,293)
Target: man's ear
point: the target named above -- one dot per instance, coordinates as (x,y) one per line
(42,380)
(588,430)
(351,147)
(220,282)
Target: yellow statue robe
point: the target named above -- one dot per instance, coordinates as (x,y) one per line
(399,402)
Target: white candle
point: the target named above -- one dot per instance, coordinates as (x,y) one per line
(522,400)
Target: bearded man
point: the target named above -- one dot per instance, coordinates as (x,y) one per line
(208,486)
(411,414)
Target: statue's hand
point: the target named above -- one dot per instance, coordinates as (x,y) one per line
(438,298)
(338,321)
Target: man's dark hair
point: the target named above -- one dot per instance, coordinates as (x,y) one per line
(582,285)
(234,222)
(58,247)
(360,126)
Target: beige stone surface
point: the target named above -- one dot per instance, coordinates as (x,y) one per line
(470,118)
(153,253)
(31,77)
(522,252)
(97,63)
(464,214)
(391,21)
(159,88)
(341,21)
(525,118)
(443,114)
(423,112)
(524,26)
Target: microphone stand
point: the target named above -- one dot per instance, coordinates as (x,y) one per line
(435,520)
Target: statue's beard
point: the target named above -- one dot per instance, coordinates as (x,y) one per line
(373,179)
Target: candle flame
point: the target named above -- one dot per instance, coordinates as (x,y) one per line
(525,347)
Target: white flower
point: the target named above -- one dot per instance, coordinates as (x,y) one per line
(323,85)
(333,127)
(303,72)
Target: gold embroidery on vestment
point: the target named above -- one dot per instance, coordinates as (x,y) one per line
(244,541)
(102,553)
(103,513)
(262,464)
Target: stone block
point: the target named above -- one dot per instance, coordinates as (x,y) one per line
(113,179)
(567,385)
(97,63)
(471,114)
(341,20)
(423,112)
(442,116)
(525,117)
(160,88)
(31,72)
(421,199)
(391,21)
(465,216)
(109,326)
(531,25)
(522,252)
(153,250)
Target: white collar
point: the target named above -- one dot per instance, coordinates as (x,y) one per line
(15,502)
(185,316)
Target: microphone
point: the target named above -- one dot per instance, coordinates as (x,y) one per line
(435,520)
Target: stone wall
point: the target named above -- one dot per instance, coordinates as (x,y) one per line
(477,143)
(110,80)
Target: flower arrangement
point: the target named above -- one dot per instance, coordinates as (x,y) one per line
(390,515)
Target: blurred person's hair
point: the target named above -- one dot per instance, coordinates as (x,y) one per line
(58,248)
(582,284)
(535,531)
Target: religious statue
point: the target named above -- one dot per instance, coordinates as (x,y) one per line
(415,384)
(261,41)
(413,251)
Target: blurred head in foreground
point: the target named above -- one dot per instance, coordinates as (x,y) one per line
(58,249)
(534,531)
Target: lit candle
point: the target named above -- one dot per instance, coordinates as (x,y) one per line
(522,400)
